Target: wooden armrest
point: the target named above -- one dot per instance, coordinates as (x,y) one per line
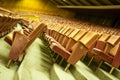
(77,52)
(96,51)
(18,46)
(113,40)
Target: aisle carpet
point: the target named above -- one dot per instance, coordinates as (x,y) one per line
(35,66)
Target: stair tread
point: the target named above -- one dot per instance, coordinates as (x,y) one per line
(60,74)
(34,66)
(105,75)
(116,73)
(83,70)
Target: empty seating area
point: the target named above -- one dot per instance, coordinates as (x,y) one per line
(74,40)
(68,40)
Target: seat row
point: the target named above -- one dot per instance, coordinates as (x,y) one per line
(7,23)
(73,44)
(78,23)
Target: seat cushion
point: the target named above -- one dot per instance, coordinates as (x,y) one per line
(60,50)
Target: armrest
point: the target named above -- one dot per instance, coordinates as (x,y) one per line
(18,46)
(96,51)
(70,43)
(60,50)
(78,51)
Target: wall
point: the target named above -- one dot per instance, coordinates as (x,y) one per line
(34,6)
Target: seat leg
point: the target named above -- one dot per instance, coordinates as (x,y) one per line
(56,58)
(52,58)
(53,54)
(8,64)
(83,57)
(112,70)
(66,68)
(100,64)
(61,61)
(91,60)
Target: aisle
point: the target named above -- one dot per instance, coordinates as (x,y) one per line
(36,64)
(6,73)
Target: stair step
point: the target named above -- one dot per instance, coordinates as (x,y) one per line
(116,73)
(32,74)
(104,75)
(82,72)
(6,73)
(35,65)
(57,73)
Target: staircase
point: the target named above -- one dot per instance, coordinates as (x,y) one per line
(37,65)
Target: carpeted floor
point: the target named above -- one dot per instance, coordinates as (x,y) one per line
(6,73)
(35,66)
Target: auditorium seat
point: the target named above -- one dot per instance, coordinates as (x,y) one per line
(104,46)
(7,23)
(18,51)
(99,44)
(105,43)
(77,51)
(113,40)
(112,57)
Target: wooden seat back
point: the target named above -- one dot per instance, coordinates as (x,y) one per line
(67,38)
(104,37)
(74,33)
(114,39)
(79,35)
(69,31)
(111,42)
(89,39)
